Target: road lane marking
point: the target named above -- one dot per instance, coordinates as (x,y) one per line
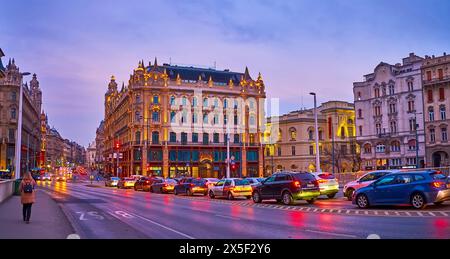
(163,226)
(431,213)
(330,233)
(443,213)
(420,213)
(227,217)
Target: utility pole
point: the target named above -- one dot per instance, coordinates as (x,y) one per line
(228,150)
(332,143)
(417,138)
(317,133)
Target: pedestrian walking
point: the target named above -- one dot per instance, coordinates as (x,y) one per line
(27,195)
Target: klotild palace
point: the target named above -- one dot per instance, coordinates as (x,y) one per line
(173,120)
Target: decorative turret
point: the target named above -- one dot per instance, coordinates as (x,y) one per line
(247,76)
(112,86)
(178,79)
(210,81)
(36,93)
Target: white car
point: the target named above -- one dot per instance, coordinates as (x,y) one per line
(328,184)
(210,181)
(254,181)
(364,181)
(231,188)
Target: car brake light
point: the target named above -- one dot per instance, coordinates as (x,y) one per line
(165,185)
(192,185)
(321,181)
(297,183)
(437,184)
(147,181)
(316,183)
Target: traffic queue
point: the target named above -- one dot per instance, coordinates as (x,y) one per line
(382,187)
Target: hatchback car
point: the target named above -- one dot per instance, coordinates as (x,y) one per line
(211,181)
(143,183)
(363,181)
(417,189)
(191,186)
(287,187)
(112,182)
(126,182)
(231,188)
(163,186)
(328,184)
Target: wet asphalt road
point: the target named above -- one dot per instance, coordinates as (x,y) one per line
(98,212)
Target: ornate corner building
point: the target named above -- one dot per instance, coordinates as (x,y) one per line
(389,116)
(11,79)
(291,144)
(173,120)
(436,92)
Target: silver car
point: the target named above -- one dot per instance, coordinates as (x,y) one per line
(231,188)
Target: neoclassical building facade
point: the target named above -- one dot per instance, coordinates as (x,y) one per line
(172,120)
(436,92)
(290,140)
(389,106)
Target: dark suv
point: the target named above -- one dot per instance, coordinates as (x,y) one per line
(287,187)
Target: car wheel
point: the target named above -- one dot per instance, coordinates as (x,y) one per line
(311,201)
(211,195)
(331,196)
(230,196)
(287,198)
(349,194)
(362,201)
(418,201)
(256,197)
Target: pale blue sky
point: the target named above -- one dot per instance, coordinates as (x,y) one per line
(298,46)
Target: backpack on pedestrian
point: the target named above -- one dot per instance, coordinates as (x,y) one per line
(28,187)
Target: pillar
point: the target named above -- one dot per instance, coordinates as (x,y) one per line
(165,161)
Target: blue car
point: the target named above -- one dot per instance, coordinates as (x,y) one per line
(405,188)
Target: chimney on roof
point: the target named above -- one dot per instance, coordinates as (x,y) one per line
(432,56)
(411,54)
(445,54)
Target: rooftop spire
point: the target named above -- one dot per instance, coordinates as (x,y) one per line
(156,63)
(246,74)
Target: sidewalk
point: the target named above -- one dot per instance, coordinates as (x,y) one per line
(47,219)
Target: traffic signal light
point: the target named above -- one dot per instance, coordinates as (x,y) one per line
(233,166)
(117,145)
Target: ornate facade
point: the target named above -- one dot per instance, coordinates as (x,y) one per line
(291,140)
(11,79)
(388,105)
(100,147)
(172,120)
(436,104)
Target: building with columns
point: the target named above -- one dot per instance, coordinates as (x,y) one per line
(100,147)
(436,104)
(292,144)
(90,155)
(172,120)
(11,79)
(389,106)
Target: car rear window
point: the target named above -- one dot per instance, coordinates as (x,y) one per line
(437,176)
(241,182)
(326,176)
(304,177)
(199,182)
(171,181)
(115,178)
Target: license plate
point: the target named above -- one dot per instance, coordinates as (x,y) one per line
(310,185)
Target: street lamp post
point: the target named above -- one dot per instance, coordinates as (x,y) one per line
(417,138)
(317,133)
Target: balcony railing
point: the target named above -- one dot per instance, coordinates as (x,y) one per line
(436,80)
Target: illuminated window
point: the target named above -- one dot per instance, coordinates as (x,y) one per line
(172,100)
(172,117)
(184,101)
(155,116)
(155,137)
(155,99)
(293,133)
(252,138)
(205,102)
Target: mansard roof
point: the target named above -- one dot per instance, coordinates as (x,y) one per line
(193,73)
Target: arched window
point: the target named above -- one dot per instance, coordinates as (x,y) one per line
(155,137)
(155,99)
(137,137)
(280,135)
(320,134)
(431,113)
(205,118)
(184,117)
(342,132)
(251,104)
(412,144)
(252,120)
(293,133)
(395,146)
(205,102)
(13,113)
(155,116)
(225,103)
(215,119)
(194,118)
(172,100)
(216,102)
(442,112)
(380,148)
(184,101)
(172,117)
(310,134)
(391,90)
(367,148)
